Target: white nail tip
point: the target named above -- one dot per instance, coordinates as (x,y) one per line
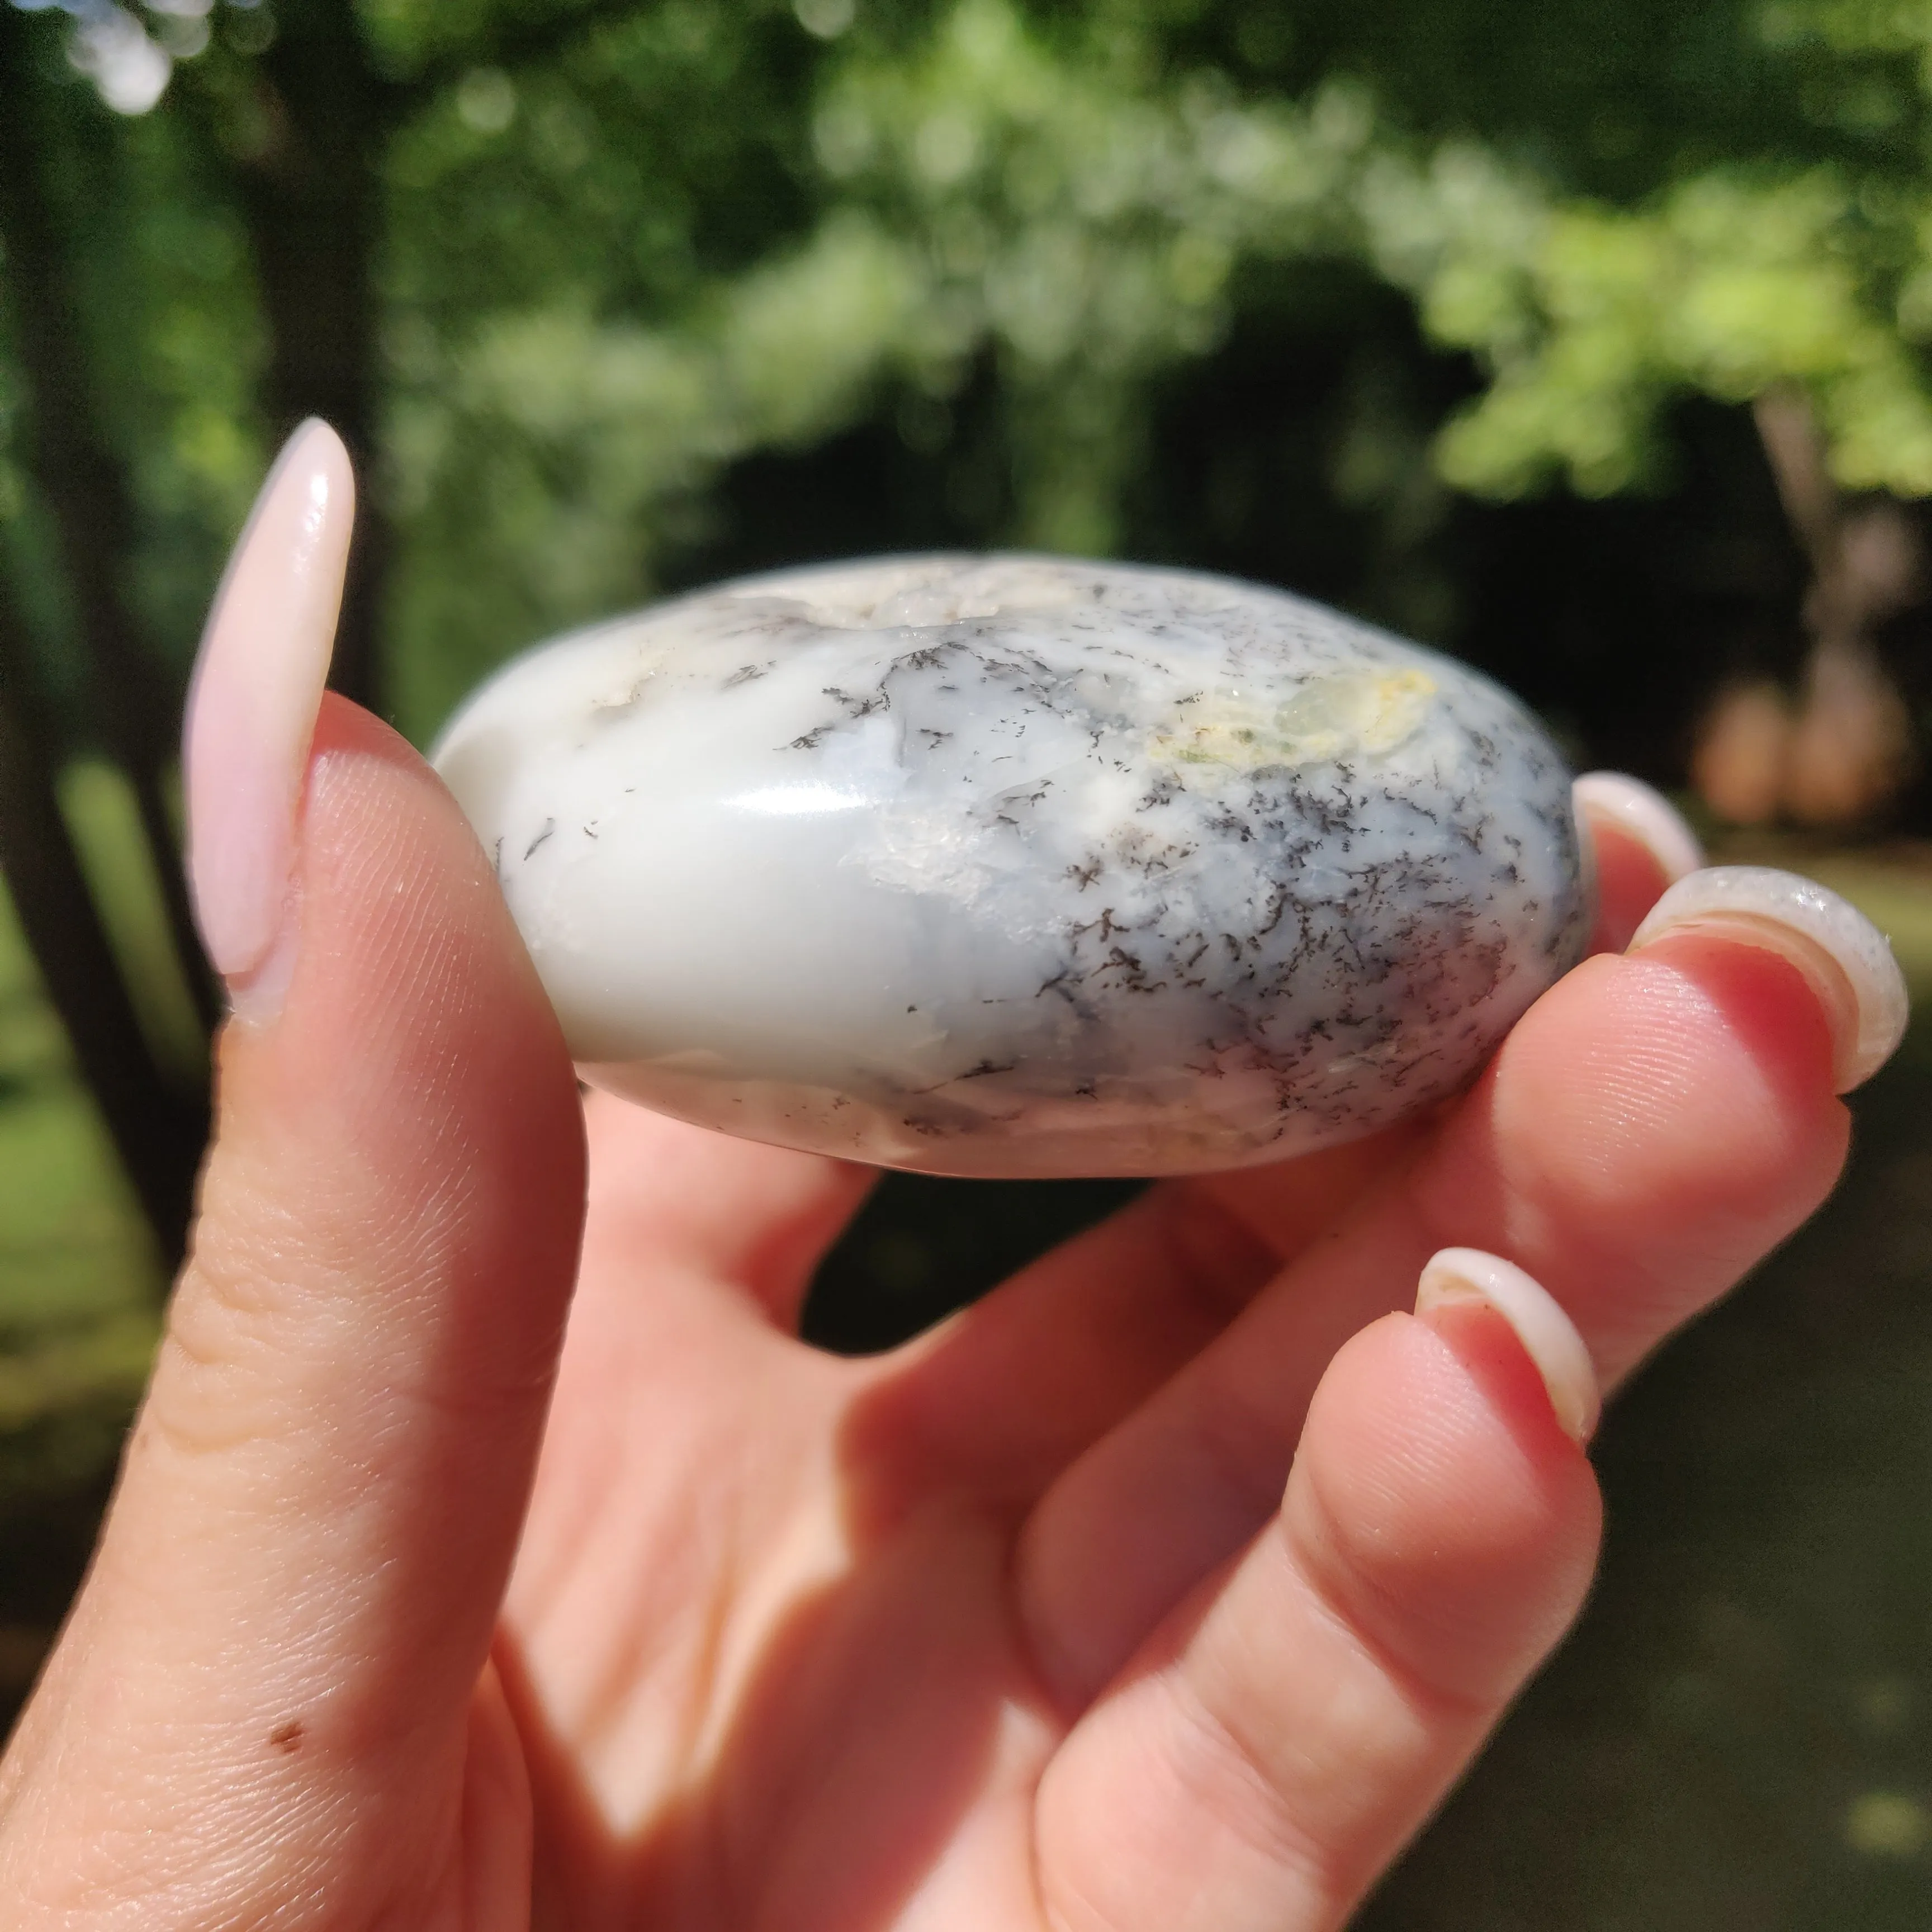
(252,703)
(1647,816)
(1843,956)
(1548,1335)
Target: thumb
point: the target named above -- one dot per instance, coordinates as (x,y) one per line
(269,1674)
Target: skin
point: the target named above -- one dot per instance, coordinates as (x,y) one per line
(1168,1588)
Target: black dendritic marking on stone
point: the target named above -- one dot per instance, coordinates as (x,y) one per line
(1377,949)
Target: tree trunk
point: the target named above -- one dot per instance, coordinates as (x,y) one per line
(158,1133)
(311,198)
(1851,745)
(80,480)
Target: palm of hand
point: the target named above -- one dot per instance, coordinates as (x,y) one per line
(764,1643)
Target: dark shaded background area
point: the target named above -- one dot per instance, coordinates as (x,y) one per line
(1752,1672)
(1616,619)
(921,1247)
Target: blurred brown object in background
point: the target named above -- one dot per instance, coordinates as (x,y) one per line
(1851,747)
(1848,750)
(1743,748)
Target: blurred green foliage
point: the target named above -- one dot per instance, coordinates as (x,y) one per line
(1073,202)
(687,234)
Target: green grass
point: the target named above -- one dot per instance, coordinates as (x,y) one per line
(98,803)
(79,1279)
(79,1276)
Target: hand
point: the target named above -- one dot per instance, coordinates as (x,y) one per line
(1169,1587)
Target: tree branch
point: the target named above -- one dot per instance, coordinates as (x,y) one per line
(311,198)
(1850,747)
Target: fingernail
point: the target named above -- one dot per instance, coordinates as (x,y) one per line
(1616,798)
(251,709)
(1840,952)
(1548,1335)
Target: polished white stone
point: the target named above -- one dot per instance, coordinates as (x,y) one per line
(1019,865)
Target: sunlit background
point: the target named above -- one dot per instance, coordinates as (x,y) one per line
(1589,339)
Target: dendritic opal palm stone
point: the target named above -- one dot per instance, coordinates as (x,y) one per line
(1022,866)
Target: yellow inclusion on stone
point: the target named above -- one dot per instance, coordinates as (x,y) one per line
(1345,714)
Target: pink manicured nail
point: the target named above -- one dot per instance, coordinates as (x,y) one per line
(1548,1335)
(251,709)
(1840,952)
(1616,798)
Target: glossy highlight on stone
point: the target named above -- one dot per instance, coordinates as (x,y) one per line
(1015,865)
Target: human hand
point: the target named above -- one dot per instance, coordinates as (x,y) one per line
(1169,1586)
